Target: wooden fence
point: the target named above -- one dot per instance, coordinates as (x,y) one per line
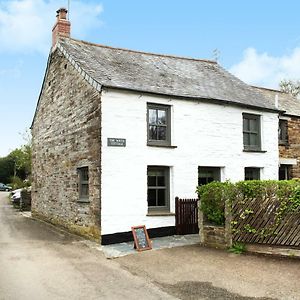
(256,221)
(186,211)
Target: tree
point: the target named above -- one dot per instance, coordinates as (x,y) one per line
(290,86)
(6,169)
(17,164)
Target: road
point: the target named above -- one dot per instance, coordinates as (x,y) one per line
(37,261)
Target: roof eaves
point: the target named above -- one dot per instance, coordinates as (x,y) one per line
(209,100)
(42,88)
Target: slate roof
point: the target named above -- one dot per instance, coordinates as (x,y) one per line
(286,102)
(161,74)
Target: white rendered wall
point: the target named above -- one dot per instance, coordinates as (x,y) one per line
(205,135)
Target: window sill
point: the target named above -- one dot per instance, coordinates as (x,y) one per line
(162,146)
(257,151)
(83,200)
(160,214)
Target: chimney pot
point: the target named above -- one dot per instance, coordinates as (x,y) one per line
(61,14)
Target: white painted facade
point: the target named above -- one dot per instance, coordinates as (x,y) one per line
(205,135)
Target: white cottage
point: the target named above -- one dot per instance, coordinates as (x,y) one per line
(118,134)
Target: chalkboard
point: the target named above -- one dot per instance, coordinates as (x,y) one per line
(141,238)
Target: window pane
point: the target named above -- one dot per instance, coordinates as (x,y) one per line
(283,131)
(151,197)
(253,140)
(162,133)
(253,125)
(84,174)
(151,180)
(252,173)
(208,174)
(152,116)
(246,137)
(153,132)
(160,180)
(161,197)
(246,124)
(84,190)
(162,117)
(202,180)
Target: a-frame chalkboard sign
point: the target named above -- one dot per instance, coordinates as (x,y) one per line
(141,238)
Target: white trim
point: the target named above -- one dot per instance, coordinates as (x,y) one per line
(284,118)
(287,161)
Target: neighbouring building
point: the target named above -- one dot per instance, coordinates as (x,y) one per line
(288,133)
(117,134)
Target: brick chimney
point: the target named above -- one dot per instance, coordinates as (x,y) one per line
(62,27)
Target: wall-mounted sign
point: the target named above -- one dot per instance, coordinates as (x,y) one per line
(116,142)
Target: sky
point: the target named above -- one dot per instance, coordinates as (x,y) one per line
(258,41)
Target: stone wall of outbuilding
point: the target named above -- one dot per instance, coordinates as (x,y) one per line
(292,149)
(66,136)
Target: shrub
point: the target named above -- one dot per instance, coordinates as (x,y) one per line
(215,194)
(18,183)
(213,197)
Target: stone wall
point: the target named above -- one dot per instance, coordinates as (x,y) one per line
(214,236)
(292,150)
(66,136)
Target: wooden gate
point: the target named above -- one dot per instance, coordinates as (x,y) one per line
(186,211)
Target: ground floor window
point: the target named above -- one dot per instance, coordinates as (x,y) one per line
(83,187)
(252,173)
(208,174)
(284,172)
(158,188)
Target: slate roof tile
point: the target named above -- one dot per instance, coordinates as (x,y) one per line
(286,102)
(162,74)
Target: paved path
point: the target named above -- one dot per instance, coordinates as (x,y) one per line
(39,262)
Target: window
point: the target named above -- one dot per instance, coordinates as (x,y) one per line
(158,188)
(83,174)
(283,132)
(159,128)
(208,174)
(284,172)
(251,132)
(252,173)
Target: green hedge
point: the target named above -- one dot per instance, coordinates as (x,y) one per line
(214,195)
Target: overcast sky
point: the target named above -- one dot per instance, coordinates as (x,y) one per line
(258,41)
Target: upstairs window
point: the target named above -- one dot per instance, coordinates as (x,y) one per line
(159,128)
(83,174)
(283,132)
(252,173)
(251,132)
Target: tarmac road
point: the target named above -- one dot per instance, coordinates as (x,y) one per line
(37,261)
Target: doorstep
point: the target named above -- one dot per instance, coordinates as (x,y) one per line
(26,214)
(122,249)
